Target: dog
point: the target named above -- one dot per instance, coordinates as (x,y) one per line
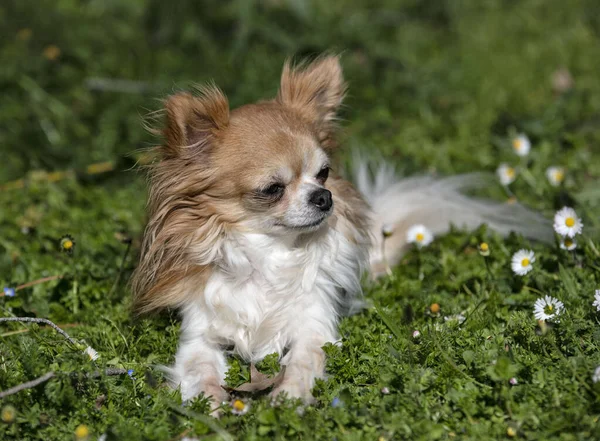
(261,246)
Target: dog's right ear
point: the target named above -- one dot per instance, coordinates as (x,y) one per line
(192,121)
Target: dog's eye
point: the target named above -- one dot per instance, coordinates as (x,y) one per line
(273,190)
(323,175)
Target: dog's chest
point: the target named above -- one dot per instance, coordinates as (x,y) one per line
(260,295)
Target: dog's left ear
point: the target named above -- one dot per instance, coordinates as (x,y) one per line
(315,91)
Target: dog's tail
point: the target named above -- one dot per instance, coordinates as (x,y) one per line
(398,204)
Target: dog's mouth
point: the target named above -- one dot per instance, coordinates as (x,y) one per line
(304,226)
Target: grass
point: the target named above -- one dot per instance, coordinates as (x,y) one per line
(435,86)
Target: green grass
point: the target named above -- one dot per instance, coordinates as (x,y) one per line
(436,86)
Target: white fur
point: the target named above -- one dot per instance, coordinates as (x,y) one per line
(266,296)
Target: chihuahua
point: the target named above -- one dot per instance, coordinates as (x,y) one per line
(261,246)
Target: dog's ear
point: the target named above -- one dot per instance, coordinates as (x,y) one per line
(192,121)
(316,91)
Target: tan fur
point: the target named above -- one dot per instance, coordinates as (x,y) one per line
(212,162)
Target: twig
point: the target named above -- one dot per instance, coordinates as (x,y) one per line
(38,281)
(40,320)
(48,375)
(27,385)
(22,331)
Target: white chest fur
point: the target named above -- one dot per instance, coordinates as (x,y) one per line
(265,292)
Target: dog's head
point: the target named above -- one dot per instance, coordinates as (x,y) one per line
(260,168)
(267,161)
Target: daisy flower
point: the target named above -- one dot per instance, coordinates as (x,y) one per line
(596,376)
(387,230)
(522,262)
(419,235)
(238,407)
(513,381)
(568,244)
(548,308)
(567,223)
(555,175)
(521,145)
(416,334)
(506,174)
(9,413)
(9,292)
(484,249)
(91,353)
(597,300)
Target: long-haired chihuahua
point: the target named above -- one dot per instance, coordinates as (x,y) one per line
(260,245)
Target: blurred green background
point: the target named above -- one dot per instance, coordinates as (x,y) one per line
(437,83)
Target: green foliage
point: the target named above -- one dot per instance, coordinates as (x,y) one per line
(436,86)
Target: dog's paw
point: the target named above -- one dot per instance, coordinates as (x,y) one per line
(293,389)
(213,391)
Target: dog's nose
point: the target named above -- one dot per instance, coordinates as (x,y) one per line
(321,199)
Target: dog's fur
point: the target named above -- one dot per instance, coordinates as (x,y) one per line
(242,240)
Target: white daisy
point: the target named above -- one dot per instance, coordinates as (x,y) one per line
(597,300)
(567,223)
(522,262)
(238,407)
(506,174)
(91,353)
(460,318)
(596,376)
(568,244)
(555,175)
(419,235)
(548,308)
(521,145)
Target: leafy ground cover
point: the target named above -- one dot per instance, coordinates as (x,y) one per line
(435,86)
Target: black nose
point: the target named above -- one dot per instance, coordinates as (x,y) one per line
(321,199)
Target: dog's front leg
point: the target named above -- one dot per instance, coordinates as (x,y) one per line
(200,367)
(305,362)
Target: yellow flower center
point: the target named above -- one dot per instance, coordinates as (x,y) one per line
(510,172)
(238,405)
(484,246)
(559,175)
(568,242)
(434,308)
(420,237)
(525,262)
(82,431)
(51,52)
(569,222)
(68,244)
(517,144)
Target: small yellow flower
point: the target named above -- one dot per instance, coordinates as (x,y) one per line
(82,432)
(484,249)
(24,34)
(9,413)
(435,308)
(511,432)
(67,243)
(51,52)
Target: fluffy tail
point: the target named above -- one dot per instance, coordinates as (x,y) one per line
(399,204)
